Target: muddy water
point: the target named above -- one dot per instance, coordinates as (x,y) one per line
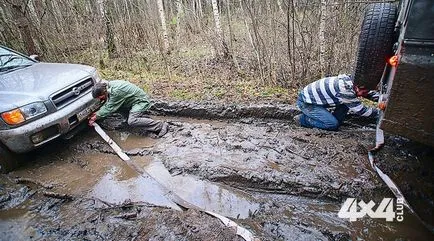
(204,194)
(136,189)
(281,182)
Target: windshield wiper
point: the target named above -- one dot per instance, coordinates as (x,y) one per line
(12,57)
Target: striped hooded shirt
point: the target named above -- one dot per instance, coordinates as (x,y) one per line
(333,91)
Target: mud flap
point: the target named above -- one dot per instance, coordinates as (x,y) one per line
(242,232)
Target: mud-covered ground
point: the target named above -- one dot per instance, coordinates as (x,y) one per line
(278,180)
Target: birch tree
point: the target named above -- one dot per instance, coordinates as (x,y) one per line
(179,14)
(221,45)
(322,44)
(105,14)
(163,25)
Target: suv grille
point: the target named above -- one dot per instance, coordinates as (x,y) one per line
(72,93)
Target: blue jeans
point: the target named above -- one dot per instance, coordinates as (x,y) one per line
(319,117)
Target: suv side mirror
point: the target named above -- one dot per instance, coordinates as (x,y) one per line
(35,57)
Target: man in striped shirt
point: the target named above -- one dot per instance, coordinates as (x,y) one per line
(336,92)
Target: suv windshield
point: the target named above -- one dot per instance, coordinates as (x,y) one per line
(10,60)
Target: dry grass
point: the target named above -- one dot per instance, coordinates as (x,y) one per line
(192,78)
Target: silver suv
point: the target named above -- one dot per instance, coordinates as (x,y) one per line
(40,102)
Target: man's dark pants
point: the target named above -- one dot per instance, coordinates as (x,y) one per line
(140,119)
(318,116)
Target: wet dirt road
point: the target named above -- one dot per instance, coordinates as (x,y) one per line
(280,181)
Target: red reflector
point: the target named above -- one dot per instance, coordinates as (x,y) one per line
(393,61)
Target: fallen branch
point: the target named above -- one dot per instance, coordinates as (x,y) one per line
(57,195)
(295,153)
(23,180)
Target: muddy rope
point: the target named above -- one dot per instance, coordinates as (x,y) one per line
(379,143)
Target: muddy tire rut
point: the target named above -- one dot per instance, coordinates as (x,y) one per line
(280,181)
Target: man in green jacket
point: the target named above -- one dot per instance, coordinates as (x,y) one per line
(118,94)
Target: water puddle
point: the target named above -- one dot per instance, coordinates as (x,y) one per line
(117,187)
(207,195)
(138,189)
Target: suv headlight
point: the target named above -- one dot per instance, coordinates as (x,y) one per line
(27,112)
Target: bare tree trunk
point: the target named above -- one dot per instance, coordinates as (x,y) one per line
(3,24)
(179,15)
(37,10)
(222,48)
(322,44)
(6,30)
(234,58)
(110,37)
(199,8)
(163,26)
(101,9)
(19,14)
(127,9)
(109,40)
(34,15)
(279,4)
(254,39)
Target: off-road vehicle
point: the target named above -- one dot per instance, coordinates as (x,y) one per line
(396,54)
(40,102)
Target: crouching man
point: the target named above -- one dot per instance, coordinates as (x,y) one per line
(118,94)
(339,93)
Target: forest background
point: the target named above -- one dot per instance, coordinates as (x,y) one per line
(202,50)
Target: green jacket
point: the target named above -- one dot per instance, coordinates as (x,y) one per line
(126,95)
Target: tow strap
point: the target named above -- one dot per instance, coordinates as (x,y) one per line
(240,231)
(379,143)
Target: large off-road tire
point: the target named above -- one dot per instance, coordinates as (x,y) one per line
(375,43)
(8,160)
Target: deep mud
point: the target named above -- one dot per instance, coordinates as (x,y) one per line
(280,181)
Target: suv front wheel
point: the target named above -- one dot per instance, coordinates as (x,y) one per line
(8,160)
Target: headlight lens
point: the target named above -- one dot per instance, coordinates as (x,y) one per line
(27,112)
(13,117)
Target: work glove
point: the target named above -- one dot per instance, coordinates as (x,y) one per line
(92,119)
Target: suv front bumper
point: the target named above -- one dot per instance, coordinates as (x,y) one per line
(22,139)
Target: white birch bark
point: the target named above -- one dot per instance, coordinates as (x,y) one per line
(127,9)
(199,7)
(101,9)
(279,4)
(218,28)
(322,44)
(179,14)
(163,25)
